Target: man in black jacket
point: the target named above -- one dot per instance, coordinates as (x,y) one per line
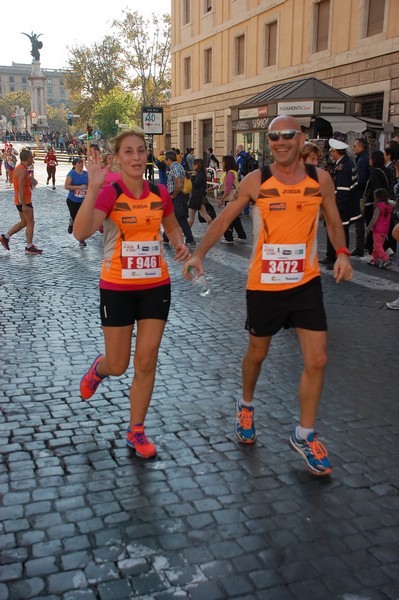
(345,180)
(360,149)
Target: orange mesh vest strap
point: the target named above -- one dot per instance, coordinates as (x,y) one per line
(285,221)
(133,254)
(26,186)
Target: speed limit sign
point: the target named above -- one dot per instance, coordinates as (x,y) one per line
(152,118)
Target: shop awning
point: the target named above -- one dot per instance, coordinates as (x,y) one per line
(344,124)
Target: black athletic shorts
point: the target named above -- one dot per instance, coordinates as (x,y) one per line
(302,306)
(118,309)
(19,207)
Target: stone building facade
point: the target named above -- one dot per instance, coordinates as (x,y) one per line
(227,51)
(16,79)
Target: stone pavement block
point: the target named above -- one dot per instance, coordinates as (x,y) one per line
(67,581)
(117,590)
(28,588)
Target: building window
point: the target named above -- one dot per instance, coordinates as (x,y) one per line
(186,12)
(49,82)
(187,135)
(208,6)
(187,74)
(208,65)
(12,88)
(23,79)
(375,17)
(61,82)
(271,44)
(322,21)
(11,79)
(240,55)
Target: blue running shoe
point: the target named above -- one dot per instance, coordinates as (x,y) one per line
(245,427)
(314,453)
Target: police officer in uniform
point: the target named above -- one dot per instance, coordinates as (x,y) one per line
(344,175)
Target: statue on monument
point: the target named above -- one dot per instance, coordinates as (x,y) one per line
(36,44)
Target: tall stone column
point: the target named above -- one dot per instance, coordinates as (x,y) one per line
(38,95)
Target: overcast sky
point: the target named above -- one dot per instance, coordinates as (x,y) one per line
(63,24)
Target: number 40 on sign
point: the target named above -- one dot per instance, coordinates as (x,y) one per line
(152,119)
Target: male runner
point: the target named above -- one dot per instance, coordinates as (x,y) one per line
(283,286)
(23,203)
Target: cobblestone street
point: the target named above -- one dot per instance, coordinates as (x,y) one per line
(207,519)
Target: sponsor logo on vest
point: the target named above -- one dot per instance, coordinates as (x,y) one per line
(128,220)
(278,206)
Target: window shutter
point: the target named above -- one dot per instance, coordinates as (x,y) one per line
(323,19)
(375,22)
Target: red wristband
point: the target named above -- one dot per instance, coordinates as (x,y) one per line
(342,251)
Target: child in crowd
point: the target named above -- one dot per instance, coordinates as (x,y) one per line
(379,225)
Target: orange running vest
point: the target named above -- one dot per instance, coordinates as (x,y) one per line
(285,221)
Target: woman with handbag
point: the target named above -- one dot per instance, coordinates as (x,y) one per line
(198,198)
(379,178)
(229,185)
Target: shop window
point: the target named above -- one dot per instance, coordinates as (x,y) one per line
(187,73)
(271,44)
(208,65)
(240,55)
(186,12)
(375,17)
(322,25)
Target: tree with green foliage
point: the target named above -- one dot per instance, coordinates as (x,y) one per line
(57,117)
(10,101)
(116,105)
(146,45)
(93,72)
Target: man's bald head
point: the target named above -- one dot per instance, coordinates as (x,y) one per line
(284,122)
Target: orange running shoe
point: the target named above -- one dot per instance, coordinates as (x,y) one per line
(245,426)
(91,380)
(136,439)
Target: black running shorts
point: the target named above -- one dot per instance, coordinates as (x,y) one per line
(19,207)
(118,309)
(302,306)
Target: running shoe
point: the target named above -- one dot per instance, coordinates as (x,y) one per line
(5,241)
(53,187)
(386,264)
(70,226)
(241,240)
(393,305)
(314,453)
(245,427)
(224,241)
(373,263)
(32,250)
(82,244)
(91,380)
(136,439)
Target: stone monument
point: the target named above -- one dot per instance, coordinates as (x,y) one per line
(37,83)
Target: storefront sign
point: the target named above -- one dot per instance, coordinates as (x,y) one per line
(295,108)
(333,108)
(253,113)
